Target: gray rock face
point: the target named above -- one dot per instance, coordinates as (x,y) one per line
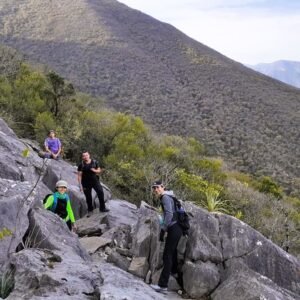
(258,253)
(122,213)
(14,207)
(200,278)
(118,284)
(95,225)
(12,164)
(48,231)
(250,285)
(53,274)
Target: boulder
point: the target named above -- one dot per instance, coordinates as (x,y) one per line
(121,213)
(44,274)
(200,278)
(258,253)
(119,260)
(118,284)
(139,266)
(94,243)
(48,231)
(16,199)
(248,285)
(95,225)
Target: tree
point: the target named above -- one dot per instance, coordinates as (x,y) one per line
(57,93)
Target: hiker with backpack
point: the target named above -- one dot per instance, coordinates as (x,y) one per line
(52,146)
(174,232)
(60,204)
(88,179)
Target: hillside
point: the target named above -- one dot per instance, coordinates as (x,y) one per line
(117,253)
(283,70)
(149,68)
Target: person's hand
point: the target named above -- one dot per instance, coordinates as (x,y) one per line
(94,170)
(162,235)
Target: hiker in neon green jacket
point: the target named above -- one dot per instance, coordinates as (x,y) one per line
(60,204)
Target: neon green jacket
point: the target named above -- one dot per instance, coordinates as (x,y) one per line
(50,201)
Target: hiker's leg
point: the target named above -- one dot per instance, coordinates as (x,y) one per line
(174,234)
(99,190)
(69,224)
(88,196)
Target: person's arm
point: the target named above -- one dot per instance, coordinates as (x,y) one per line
(70,212)
(97,169)
(168,211)
(59,146)
(49,202)
(79,176)
(46,145)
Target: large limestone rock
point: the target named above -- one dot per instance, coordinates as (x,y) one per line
(246,284)
(48,231)
(45,274)
(95,225)
(258,253)
(200,278)
(16,199)
(121,213)
(13,165)
(118,284)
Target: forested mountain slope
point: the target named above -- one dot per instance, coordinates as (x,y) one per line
(149,68)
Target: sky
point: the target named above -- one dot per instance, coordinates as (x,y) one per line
(248,31)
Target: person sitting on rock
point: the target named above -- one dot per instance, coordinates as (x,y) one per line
(60,204)
(52,146)
(88,179)
(174,231)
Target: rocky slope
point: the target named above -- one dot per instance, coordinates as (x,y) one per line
(149,68)
(222,257)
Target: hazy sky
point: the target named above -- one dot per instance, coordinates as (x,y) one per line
(248,31)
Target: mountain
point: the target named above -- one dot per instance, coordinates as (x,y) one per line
(149,68)
(283,70)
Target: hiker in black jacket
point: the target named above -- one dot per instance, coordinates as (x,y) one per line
(174,232)
(88,179)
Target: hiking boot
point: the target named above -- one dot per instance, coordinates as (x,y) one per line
(104,210)
(159,289)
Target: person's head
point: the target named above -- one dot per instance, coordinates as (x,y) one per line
(61,186)
(85,155)
(51,133)
(158,188)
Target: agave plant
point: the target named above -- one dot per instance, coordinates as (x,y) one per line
(213,203)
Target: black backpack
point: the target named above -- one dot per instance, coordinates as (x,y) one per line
(181,216)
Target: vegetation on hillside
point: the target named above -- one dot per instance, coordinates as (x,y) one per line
(179,86)
(134,156)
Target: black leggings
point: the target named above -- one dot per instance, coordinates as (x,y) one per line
(87,189)
(170,254)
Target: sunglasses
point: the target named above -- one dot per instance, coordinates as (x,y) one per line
(61,187)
